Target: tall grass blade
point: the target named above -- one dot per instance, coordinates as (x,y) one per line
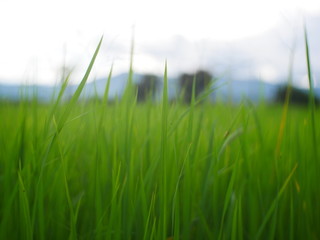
(311,95)
(285,106)
(164,129)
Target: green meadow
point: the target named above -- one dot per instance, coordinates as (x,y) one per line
(158,170)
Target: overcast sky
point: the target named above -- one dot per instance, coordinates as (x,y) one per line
(38,36)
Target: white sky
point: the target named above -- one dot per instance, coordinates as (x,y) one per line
(36,35)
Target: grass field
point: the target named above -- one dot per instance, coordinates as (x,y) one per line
(93,170)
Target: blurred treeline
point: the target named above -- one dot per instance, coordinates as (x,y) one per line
(201,80)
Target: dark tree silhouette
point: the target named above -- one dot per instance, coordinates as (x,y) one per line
(202,80)
(147,87)
(297,96)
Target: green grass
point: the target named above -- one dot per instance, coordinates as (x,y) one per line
(96,170)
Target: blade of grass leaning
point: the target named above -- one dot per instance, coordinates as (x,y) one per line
(274,204)
(55,105)
(58,100)
(60,125)
(77,93)
(71,104)
(311,95)
(228,140)
(285,106)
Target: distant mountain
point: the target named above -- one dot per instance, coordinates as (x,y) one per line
(226,90)
(16,92)
(46,93)
(252,89)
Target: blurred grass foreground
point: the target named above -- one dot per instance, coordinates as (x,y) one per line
(136,169)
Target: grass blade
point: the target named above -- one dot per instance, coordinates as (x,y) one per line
(311,95)
(25,210)
(274,204)
(77,93)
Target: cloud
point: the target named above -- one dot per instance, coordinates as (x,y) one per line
(265,56)
(236,40)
